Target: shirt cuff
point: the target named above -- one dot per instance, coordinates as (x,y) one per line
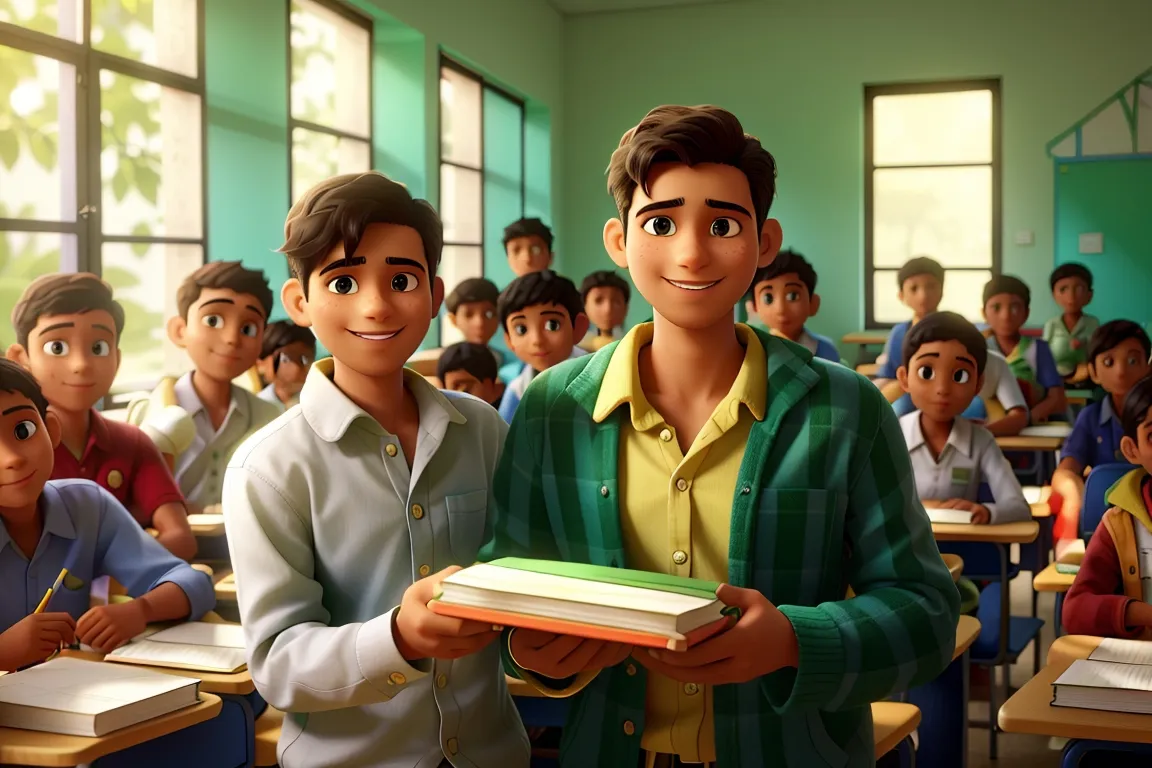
(820,670)
(197,587)
(380,660)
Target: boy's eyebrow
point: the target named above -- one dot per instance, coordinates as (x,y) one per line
(967,360)
(257,310)
(400,261)
(660,205)
(217,301)
(552,312)
(726,206)
(102,327)
(518,316)
(926,354)
(56,327)
(354,261)
(15,408)
(793,284)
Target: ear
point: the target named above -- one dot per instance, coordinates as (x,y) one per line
(119,356)
(295,304)
(452,319)
(813,305)
(614,242)
(437,295)
(17,354)
(498,389)
(1130,451)
(984,312)
(176,327)
(579,328)
(771,236)
(979,384)
(55,429)
(1092,373)
(508,339)
(902,377)
(750,306)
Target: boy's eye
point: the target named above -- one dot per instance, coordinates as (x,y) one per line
(552,325)
(250,330)
(1133,361)
(725,227)
(25,430)
(925,372)
(101,348)
(489,314)
(660,226)
(343,285)
(520,329)
(213,321)
(961,376)
(57,348)
(535,250)
(792,296)
(404,282)
(766,298)
(1109,362)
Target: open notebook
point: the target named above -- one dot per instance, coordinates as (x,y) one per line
(1057,429)
(88,698)
(195,646)
(616,604)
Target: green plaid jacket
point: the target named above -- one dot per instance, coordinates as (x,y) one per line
(825,499)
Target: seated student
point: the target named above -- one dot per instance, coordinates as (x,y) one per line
(286,354)
(784,296)
(223,308)
(921,286)
(528,246)
(943,364)
(542,317)
(1006,303)
(606,296)
(73,524)
(1112,594)
(1117,358)
(472,310)
(68,329)
(1068,334)
(470,368)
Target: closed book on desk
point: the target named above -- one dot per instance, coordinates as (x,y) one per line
(1073,554)
(615,604)
(949,516)
(1067,569)
(196,646)
(89,698)
(1056,429)
(1105,685)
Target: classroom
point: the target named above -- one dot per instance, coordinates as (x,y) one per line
(339,332)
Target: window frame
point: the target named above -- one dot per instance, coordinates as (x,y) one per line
(992,84)
(350,14)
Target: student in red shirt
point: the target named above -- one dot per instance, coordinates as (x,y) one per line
(1112,594)
(67,328)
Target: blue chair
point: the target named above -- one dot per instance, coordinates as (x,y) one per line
(226,741)
(1100,480)
(1076,749)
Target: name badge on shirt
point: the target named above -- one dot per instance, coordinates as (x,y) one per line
(961,475)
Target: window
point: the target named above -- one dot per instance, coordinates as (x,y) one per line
(481,176)
(932,188)
(330,63)
(101,157)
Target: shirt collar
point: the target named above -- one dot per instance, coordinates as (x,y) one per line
(960,438)
(1107,413)
(57,521)
(187,398)
(622,380)
(330,412)
(98,433)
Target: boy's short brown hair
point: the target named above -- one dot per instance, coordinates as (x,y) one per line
(229,275)
(690,135)
(338,211)
(63,294)
(13,378)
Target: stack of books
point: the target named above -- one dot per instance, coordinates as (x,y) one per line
(1116,677)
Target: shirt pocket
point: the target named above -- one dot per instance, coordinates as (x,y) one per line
(799,549)
(467,513)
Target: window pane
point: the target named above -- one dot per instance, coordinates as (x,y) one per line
(150,163)
(318,156)
(37,137)
(945,213)
(460,204)
(929,128)
(460,99)
(61,18)
(963,291)
(145,278)
(24,256)
(157,32)
(459,262)
(330,65)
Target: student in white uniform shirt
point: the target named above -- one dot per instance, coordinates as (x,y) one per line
(344,513)
(944,357)
(285,357)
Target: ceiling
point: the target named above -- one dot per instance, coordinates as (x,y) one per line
(574,7)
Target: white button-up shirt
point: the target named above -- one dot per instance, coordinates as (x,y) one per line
(328,527)
(199,470)
(970,458)
(999,383)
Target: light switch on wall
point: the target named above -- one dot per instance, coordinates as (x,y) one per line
(1092,242)
(1024,237)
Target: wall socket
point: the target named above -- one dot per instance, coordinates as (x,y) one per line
(1024,237)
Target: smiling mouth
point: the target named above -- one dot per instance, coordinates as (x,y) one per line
(21,481)
(376,336)
(226,356)
(79,386)
(693,286)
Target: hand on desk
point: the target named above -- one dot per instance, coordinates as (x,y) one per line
(421,634)
(761,642)
(560,656)
(107,627)
(35,638)
(981,515)
(1138,614)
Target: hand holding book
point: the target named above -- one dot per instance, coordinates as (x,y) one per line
(980,513)
(421,634)
(561,656)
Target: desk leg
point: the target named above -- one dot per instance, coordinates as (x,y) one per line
(1057,626)
(1002,655)
(943,704)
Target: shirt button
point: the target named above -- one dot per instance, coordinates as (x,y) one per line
(681,484)
(691,688)
(679,557)
(666,435)
(390,449)
(441,681)
(453,746)
(115,479)
(425,570)
(1099,439)
(629,728)
(397,678)
(417,511)
(630,669)
(604,491)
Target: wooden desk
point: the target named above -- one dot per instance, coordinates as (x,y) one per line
(1007,533)
(1078,396)
(868,369)
(967,630)
(20,747)
(200,528)
(866,338)
(892,722)
(1067,649)
(1030,443)
(1050,580)
(955,565)
(226,588)
(267,736)
(424,362)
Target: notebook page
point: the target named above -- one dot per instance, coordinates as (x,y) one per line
(202,657)
(1032,493)
(1047,430)
(205,519)
(516,583)
(85,687)
(952,516)
(202,633)
(1104,674)
(1123,651)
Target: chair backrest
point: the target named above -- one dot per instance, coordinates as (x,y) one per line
(1100,479)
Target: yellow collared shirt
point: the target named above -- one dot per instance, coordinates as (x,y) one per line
(676,511)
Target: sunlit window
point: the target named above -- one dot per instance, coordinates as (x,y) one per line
(932,175)
(331,106)
(130,84)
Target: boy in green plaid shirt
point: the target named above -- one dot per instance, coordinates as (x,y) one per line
(701,447)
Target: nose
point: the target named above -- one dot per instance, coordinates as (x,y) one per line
(11,458)
(692,251)
(374,305)
(80,362)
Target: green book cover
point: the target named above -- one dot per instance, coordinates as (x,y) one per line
(661,582)
(1067,568)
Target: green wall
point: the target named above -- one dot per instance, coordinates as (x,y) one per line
(794,73)
(1113,197)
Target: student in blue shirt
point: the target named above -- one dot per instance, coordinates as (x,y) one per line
(783,295)
(921,282)
(73,524)
(1118,355)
